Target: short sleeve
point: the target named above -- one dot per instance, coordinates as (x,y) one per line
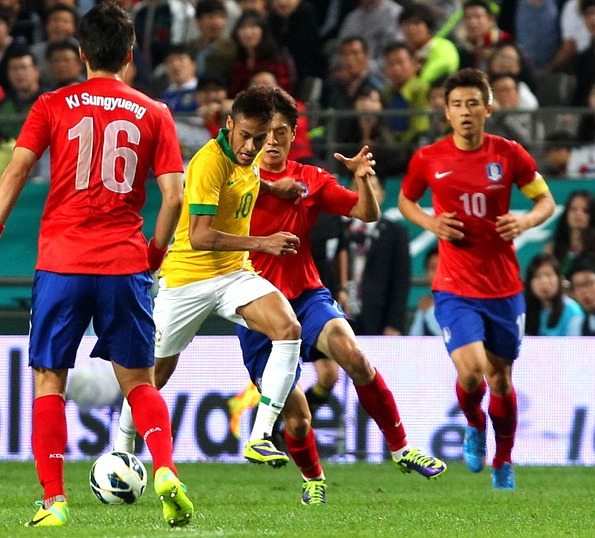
(35,134)
(415,184)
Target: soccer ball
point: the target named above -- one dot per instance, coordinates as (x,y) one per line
(117,478)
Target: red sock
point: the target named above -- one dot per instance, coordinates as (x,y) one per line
(503,412)
(470,404)
(379,403)
(151,419)
(49,443)
(304,453)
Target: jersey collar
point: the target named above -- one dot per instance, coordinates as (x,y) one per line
(224,143)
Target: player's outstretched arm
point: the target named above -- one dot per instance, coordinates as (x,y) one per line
(510,226)
(13,180)
(204,237)
(445,226)
(362,166)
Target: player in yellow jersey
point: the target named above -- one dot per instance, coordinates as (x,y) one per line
(207,270)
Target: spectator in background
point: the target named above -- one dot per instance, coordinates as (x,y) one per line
(379,272)
(404,91)
(157,25)
(260,6)
(180,69)
(7,41)
(331,14)
(586,125)
(295,28)
(370,128)
(575,37)
(25,24)
(301,147)
(585,61)
(566,159)
(257,50)
(65,64)
(506,121)
(424,319)
(376,21)
(537,32)
(439,125)
(508,59)
(435,56)
(24,89)
(582,284)
(480,34)
(60,24)
(550,312)
(575,229)
(213,50)
(214,106)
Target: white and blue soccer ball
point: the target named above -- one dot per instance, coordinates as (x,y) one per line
(118,478)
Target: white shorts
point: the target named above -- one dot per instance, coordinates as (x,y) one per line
(179,312)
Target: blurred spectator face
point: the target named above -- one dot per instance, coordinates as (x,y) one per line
(211,93)
(264,78)
(589,16)
(557,159)
(4,34)
(545,283)
(436,99)
(180,68)
(506,92)
(284,8)
(12,6)
(60,26)
(371,102)
(354,59)
(212,25)
(65,66)
(477,22)
(399,66)
(583,289)
(249,34)
(506,60)
(253,5)
(23,75)
(416,32)
(578,216)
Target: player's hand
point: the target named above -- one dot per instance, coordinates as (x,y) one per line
(287,188)
(510,226)
(362,165)
(282,243)
(155,255)
(447,227)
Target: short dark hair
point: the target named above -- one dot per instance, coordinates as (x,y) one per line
(19,51)
(181,49)
(286,105)
(479,3)
(256,102)
(206,7)
(499,76)
(418,13)
(106,35)
(351,39)
(469,78)
(584,262)
(58,8)
(398,45)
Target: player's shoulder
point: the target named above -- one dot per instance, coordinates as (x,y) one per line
(500,143)
(444,145)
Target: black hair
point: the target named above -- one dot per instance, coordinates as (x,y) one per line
(106,35)
(206,7)
(180,48)
(61,7)
(534,305)
(19,51)
(418,13)
(65,44)
(584,262)
(479,3)
(352,38)
(398,45)
(285,104)
(267,49)
(256,102)
(469,78)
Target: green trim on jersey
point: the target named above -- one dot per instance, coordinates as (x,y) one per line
(224,143)
(203,209)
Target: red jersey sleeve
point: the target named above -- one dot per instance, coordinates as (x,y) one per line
(415,183)
(334,197)
(35,134)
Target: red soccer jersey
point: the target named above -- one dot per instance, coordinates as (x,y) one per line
(103,137)
(477,186)
(295,274)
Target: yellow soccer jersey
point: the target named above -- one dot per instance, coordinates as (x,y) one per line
(215,185)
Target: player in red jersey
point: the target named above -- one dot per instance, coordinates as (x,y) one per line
(93,261)
(478,286)
(292,195)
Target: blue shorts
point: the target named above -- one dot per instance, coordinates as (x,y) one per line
(119,305)
(314,309)
(499,323)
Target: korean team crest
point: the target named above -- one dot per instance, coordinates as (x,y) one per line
(494,171)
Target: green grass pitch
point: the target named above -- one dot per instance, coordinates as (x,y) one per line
(363,499)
